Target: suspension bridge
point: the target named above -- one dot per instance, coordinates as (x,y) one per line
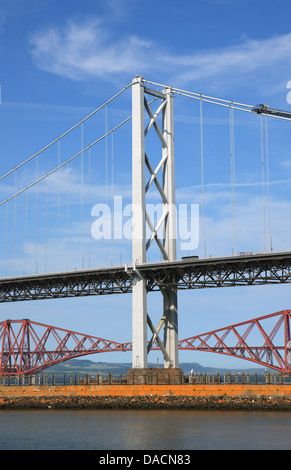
(50,249)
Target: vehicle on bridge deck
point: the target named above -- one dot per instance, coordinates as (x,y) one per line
(264,109)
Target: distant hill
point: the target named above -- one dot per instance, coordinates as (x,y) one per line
(85,366)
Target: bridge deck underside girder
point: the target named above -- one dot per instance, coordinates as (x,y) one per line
(273,268)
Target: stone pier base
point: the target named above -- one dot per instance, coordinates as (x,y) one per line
(155,376)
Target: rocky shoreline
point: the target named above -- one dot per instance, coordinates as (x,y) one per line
(154,402)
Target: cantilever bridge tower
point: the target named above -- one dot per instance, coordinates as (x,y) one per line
(164,172)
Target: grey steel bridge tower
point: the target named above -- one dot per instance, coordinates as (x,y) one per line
(140,218)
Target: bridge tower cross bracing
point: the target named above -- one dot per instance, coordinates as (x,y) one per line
(166,224)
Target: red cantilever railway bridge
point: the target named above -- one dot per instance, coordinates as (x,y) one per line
(28,347)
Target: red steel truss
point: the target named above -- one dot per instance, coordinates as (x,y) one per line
(270,334)
(28,347)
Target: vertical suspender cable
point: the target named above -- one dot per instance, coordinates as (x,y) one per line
(6,239)
(25,231)
(82,196)
(106,175)
(46,224)
(232,171)
(90,202)
(263,182)
(36,211)
(202,176)
(15,219)
(67,223)
(112,191)
(268,183)
(59,200)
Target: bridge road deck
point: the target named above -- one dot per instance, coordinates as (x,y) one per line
(247,270)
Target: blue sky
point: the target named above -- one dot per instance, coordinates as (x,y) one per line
(61,60)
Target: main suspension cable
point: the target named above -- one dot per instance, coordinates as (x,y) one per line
(210,99)
(66,162)
(218,101)
(65,133)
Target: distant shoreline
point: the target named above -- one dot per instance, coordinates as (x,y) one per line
(82,366)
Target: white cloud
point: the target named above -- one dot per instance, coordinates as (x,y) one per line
(87,50)
(90,49)
(244,57)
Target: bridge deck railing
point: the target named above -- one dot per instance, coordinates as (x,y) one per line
(243,378)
